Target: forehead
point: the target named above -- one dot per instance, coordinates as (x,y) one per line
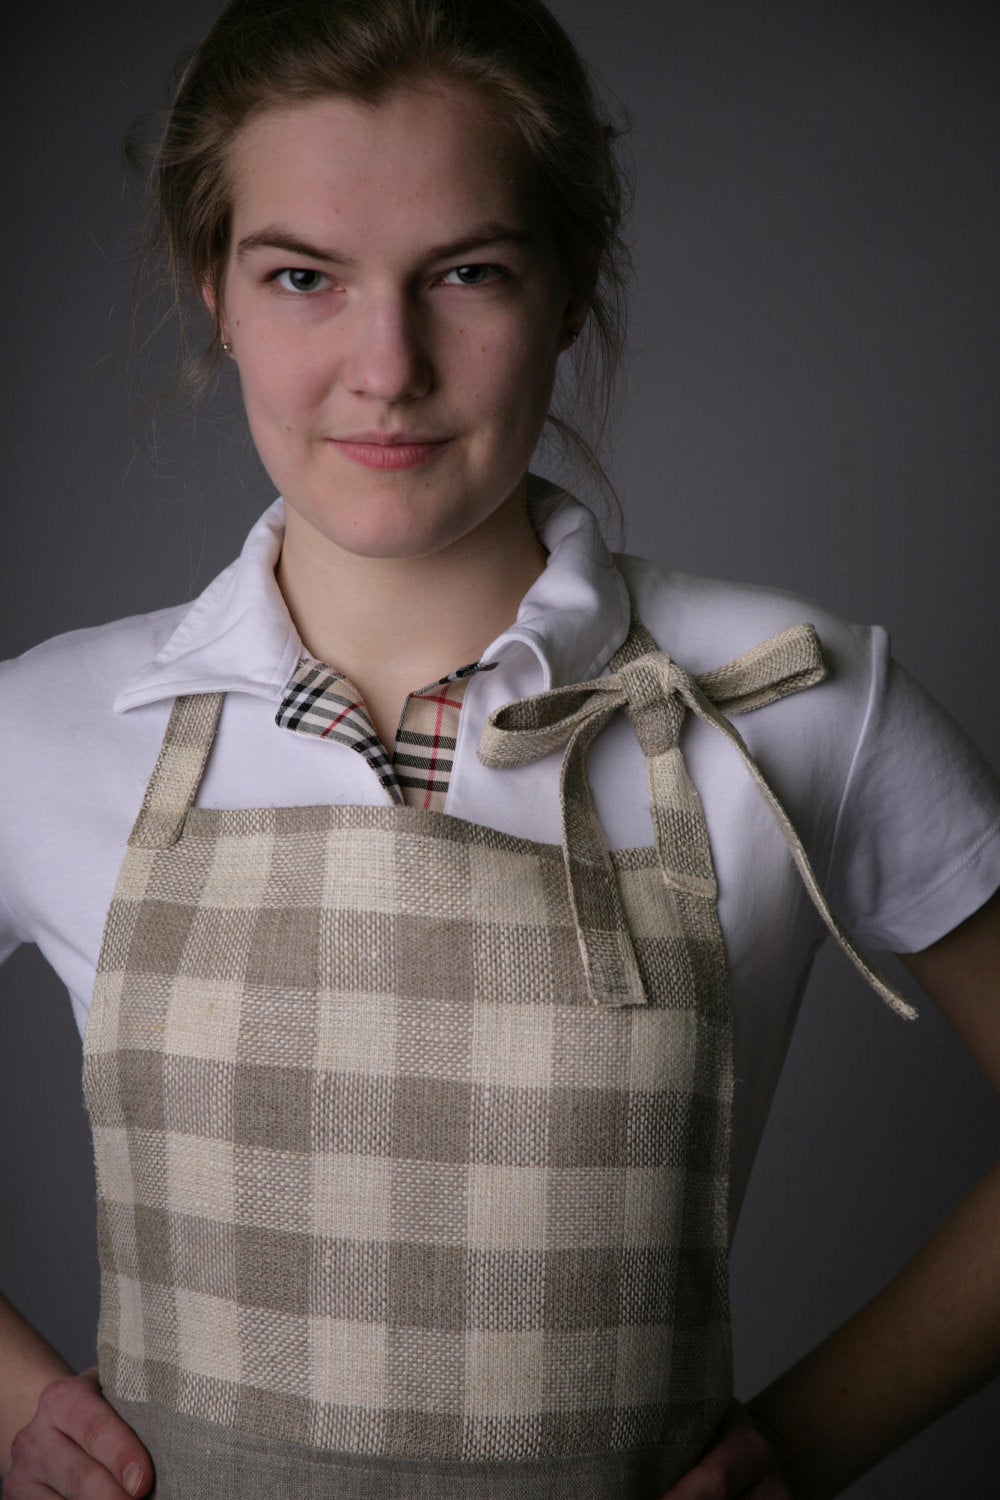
(435,154)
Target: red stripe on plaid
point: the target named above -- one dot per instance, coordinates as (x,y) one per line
(321,701)
(432,766)
(350,709)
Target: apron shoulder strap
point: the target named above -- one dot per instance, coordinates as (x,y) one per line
(655,693)
(177,774)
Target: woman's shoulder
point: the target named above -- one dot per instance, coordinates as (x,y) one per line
(82,670)
(705,622)
(75,770)
(60,733)
(900,807)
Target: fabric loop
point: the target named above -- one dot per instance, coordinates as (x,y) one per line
(783,664)
(177,774)
(606,946)
(643,684)
(655,692)
(529,728)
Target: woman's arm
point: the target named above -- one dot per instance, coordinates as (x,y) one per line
(29,1364)
(928,1339)
(57,1433)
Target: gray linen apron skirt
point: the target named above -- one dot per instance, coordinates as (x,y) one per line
(412,1138)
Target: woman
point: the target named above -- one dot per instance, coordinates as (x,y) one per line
(396,269)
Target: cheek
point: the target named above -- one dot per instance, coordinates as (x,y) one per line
(530,386)
(512,375)
(279,389)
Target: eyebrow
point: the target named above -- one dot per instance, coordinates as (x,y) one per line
(277,237)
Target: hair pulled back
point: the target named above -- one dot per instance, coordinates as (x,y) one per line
(260,54)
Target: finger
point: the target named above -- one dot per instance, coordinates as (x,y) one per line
(771,1488)
(739,1460)
(46,1462)
(76,1408)
(17,1486)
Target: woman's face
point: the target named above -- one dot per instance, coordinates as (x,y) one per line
(396,311)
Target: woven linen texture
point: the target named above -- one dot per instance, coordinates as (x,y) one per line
(383,1168)
(375,1174)
(198,1460)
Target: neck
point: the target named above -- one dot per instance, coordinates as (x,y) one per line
(392,625)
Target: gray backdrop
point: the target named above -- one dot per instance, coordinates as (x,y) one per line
(814,399)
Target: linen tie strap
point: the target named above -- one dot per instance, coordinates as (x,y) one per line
(178,771)
(654,692)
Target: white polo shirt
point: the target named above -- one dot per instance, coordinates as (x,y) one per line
(899,814)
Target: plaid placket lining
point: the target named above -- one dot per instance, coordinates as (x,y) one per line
(320,700)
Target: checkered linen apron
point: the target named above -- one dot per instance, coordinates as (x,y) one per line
(412,1137)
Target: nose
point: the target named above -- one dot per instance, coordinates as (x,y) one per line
(388,356)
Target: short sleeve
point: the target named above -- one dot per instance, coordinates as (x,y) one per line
(10,936)
(917,842)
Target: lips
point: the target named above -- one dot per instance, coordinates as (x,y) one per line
(389,450)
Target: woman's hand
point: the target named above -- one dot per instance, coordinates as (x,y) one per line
(742,1462)
(78,1447)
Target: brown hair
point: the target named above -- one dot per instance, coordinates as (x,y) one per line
(261,53)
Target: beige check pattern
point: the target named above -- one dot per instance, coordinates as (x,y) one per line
(390,1161)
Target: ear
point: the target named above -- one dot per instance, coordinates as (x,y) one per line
(210,299)
(217,313)
(574,316)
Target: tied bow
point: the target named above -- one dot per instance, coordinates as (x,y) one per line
(655,693)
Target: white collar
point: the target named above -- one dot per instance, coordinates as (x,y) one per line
(238,636)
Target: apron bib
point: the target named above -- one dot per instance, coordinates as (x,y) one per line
(412,1137)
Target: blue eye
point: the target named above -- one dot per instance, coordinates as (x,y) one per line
(296,279)
(478,275)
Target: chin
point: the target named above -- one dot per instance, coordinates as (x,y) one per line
(387,526)
(400,542)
